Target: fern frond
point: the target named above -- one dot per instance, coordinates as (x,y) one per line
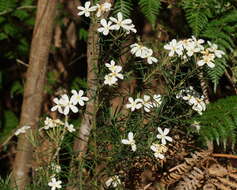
(150,9)
(218,122)
(123,6)
(222,30)
(197,13)
(216,73)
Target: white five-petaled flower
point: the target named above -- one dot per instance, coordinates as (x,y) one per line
(147,103)
(157,100)
(214,48)
(163,135)
(22,130)
(174,47)
(110,80)
(102,8)
(134,104)
(112,67)
(68,104)
(58,105)
(190,98)
(78,98)
(131,28)
(87,9)
(139,50)
(120,22)
(150,58)
(54,184)
(70,127)
(114,181)
(198,44)
(55,167)
(199,105)
(106,27)
(207,58)
(116,73)
(50,123)
(159,150)
(130,141)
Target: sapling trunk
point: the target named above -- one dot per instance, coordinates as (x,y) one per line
(33,90)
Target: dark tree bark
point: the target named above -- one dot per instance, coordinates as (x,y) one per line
(89,118)
(33,90)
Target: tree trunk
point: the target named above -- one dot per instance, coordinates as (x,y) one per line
(89,118)
(34,86)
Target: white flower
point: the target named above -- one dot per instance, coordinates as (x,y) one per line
(116,73)
(191,99)
(131,28)
(112,67)
(114,181)
(87,9)
(207,58)
(120,23)
(105,7)
(134,104)
(56,168)
(163,135)
(106,27)
(197,125)
(78,98)
(199,105)
(54,184)
(70,127)
(22,130)
(214,48)
(150,59)
(58,106)
(157,99)
(174,47)
(50,123)
(147,103)
(139,50)
(159,150)
(110,80)
(68,104)
(198,44)
(130,141)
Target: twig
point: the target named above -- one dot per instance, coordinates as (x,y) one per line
(225,156)
(21,62)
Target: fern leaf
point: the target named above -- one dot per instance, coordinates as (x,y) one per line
(218,122)
(222,30)
(123,6)
(216,73)
(150,9)
(197,14)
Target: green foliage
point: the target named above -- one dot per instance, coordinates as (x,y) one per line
(150,9)
(7,5)
(222,30)
(16,88)
(219,122)
(10,122)
(216,73)
(124,6)
(217,23)
(83,34)
(16,20)
(5,184)
(197,14)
